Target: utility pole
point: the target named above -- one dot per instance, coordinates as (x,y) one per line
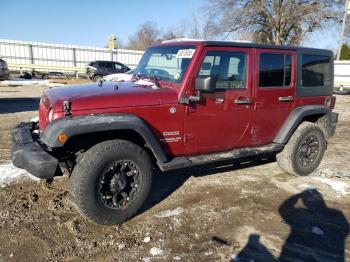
(347,12)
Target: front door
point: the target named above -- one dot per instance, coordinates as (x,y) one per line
(275,91)
(221,120)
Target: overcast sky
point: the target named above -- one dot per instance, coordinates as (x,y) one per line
(91,22)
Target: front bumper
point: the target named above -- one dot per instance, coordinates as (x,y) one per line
(28,154)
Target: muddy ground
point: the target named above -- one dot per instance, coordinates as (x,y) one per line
(213,213)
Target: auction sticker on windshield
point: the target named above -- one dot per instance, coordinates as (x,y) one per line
(185,53)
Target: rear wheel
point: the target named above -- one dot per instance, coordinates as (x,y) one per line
(304,151)
(111,181)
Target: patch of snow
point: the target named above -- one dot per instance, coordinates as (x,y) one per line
(170,213)
(208,253)
(29,82)
(117,77)
(338,186)
(147,239)
(146,259)
(177,258)
(35,119)
(156,251)
(306,187)
(9,174)
(24,82)
(331,172)
(317,231)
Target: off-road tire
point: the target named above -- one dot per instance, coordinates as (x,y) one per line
(288,159)
(83,183)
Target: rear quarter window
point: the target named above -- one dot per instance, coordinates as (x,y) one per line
(316,71)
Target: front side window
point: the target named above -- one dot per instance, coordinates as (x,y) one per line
(275,70)
(168,63)
(316,71)
(227,68)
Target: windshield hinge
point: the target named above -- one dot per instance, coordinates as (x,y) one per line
(189,109)
(67,108)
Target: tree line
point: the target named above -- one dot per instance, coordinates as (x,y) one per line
(280,22)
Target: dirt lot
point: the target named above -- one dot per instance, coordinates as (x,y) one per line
(203,214)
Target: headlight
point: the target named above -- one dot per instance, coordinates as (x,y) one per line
(50,114)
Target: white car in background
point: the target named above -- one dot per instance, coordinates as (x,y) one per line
(119,76)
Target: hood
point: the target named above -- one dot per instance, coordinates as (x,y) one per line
(109,95)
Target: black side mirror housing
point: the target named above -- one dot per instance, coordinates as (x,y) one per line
(205,84)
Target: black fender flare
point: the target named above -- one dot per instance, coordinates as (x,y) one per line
(295,118)
(77,125)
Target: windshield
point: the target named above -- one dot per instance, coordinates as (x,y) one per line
(167,63)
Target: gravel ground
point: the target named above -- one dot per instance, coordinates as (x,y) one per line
(214,213)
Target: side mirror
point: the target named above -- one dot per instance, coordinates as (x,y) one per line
(205,84)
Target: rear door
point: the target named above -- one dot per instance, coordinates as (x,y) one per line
(275,91)
(221,120)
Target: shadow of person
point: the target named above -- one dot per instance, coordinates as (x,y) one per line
(318,233)
(254,251)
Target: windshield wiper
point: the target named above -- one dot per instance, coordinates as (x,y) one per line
(152,78)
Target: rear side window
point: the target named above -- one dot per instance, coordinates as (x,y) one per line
(227,68)
(275,70)
(316,71)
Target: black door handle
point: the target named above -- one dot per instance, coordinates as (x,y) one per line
(243,101)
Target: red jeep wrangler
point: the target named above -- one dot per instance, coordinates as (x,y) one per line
(189,103)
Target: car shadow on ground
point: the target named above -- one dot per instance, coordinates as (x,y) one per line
(165,183)
(318,233)
(18,104)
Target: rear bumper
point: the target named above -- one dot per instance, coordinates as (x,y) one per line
(28,154)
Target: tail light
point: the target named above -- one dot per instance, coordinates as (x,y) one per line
(332,102)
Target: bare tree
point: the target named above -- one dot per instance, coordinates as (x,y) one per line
(146,35)
(283,22)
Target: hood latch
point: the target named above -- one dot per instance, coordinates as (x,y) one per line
(67,108)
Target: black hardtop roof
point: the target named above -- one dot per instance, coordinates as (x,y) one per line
(250,45)
(104,61)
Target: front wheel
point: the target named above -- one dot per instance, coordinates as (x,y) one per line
(111,181)
(304,151)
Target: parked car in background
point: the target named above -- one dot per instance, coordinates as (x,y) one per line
(98,69)
(4,70)
(119,77)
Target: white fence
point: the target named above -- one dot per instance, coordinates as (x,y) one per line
(28,53)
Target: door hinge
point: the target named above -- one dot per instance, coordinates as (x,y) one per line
(188,137)
(252,130)
(189,109)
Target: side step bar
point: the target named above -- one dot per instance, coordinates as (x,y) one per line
(183,162)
